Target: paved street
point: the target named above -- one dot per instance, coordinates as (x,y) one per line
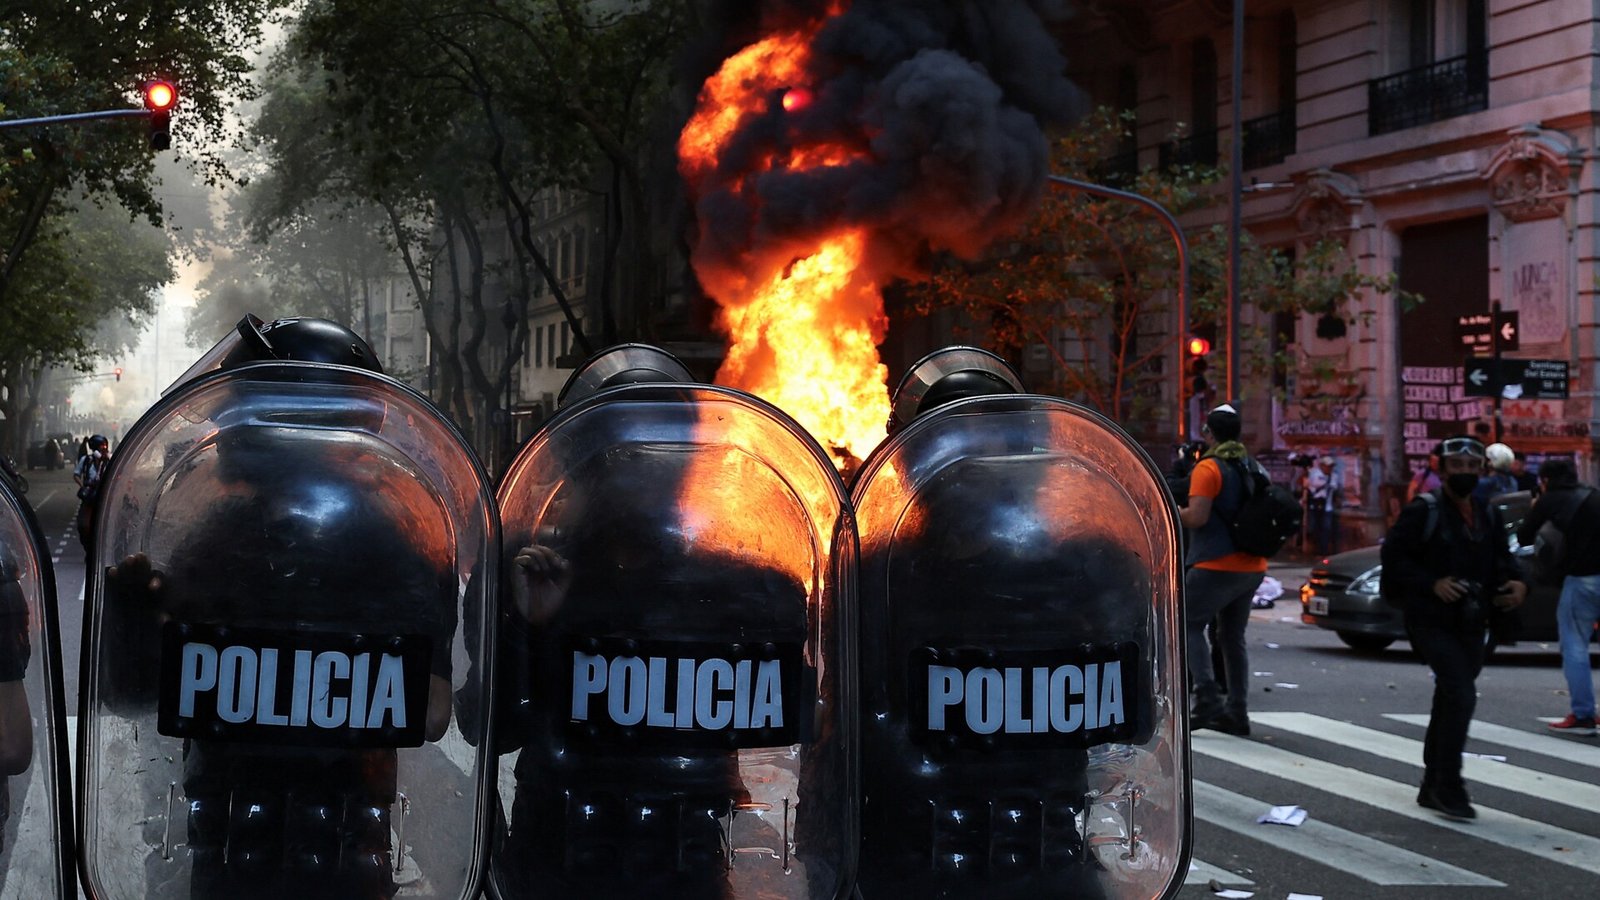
(1345,743)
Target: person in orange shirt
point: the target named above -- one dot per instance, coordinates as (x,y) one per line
(1220,581)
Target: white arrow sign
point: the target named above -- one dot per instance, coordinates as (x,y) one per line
(1507,332)
(1478,377)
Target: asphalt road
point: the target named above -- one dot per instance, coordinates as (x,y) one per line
(1339,734)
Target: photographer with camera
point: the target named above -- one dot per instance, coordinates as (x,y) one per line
(1444,562)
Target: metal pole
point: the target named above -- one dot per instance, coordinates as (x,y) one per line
(1497,379)
(1235,189)
(76,117)
(1167,219)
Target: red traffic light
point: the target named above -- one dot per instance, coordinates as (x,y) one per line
(1197,345)
(159,96)
(117,372)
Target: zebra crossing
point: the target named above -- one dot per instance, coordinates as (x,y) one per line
(1341,845)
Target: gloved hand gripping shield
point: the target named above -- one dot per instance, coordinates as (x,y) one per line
(272,642)
(676,678)
(35,789)
(1022,677)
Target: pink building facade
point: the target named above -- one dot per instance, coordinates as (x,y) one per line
(1449,142)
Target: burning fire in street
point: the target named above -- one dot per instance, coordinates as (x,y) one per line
(836,153)
(804,318)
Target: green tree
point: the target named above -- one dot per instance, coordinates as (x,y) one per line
(450,116)
(85,268)
(1093,281)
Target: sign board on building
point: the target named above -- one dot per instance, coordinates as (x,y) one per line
(1477,332)
(1517,379)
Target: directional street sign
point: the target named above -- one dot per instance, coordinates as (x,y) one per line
(1476,332)
(1520,379)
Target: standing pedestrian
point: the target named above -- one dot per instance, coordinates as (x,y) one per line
(1322,487)
(1445,561)
(1526,481)
(1497,478)
(1574,509)
(87,473)
(1427,478)
(1221,580)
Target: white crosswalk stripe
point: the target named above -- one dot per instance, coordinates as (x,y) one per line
(1367,858)
(1555,789)
(1496,826)
(1581,750)
(1205,873)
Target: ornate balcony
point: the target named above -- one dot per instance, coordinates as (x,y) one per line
(1195,150)
(1431,93)
(1269,139)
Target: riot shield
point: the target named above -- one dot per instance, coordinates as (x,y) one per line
(35,793)
(676,673)
(286,552)
(1023,714)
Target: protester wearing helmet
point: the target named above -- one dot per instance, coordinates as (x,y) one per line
(1446,561)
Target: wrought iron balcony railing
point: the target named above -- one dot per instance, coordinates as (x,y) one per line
(1121,168)
(1431,93)
(1195,150)
(1268,139)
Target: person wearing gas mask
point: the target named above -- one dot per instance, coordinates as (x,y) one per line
(290,530)
(1447,561)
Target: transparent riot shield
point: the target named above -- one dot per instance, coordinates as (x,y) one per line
(676,690)
(276,627)
(1022,710)
(35,792)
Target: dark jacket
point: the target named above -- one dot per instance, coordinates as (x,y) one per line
(1411,564)
(1576,512)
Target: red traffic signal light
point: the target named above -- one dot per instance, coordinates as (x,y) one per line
(117,372)
(1197,345)
(159,96)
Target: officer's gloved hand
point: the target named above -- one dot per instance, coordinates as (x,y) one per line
(539,582)
(134,577)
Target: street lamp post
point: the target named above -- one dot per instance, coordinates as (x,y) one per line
(1176,231)
(1235,190)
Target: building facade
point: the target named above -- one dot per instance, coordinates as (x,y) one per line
(1450,143)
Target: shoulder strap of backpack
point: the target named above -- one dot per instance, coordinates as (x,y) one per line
(1431,524)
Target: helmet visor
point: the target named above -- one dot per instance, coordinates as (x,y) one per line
(247,334)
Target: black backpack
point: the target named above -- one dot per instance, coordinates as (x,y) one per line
(1268,514)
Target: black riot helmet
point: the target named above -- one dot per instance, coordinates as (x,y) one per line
(98,442)
(296,338)
(947,375)
(620,365)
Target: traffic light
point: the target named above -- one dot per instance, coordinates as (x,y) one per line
(159,98)
(1196,347)
(117,372)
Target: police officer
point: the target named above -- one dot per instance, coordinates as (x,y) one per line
(301,532)
(1447,561)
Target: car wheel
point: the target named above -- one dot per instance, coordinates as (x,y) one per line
(1366,643)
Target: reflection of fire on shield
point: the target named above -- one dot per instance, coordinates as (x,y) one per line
(672,711)
(1021,652)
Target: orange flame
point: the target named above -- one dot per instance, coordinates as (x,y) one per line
(803,319)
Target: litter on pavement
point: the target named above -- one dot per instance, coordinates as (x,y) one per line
(1282,815)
